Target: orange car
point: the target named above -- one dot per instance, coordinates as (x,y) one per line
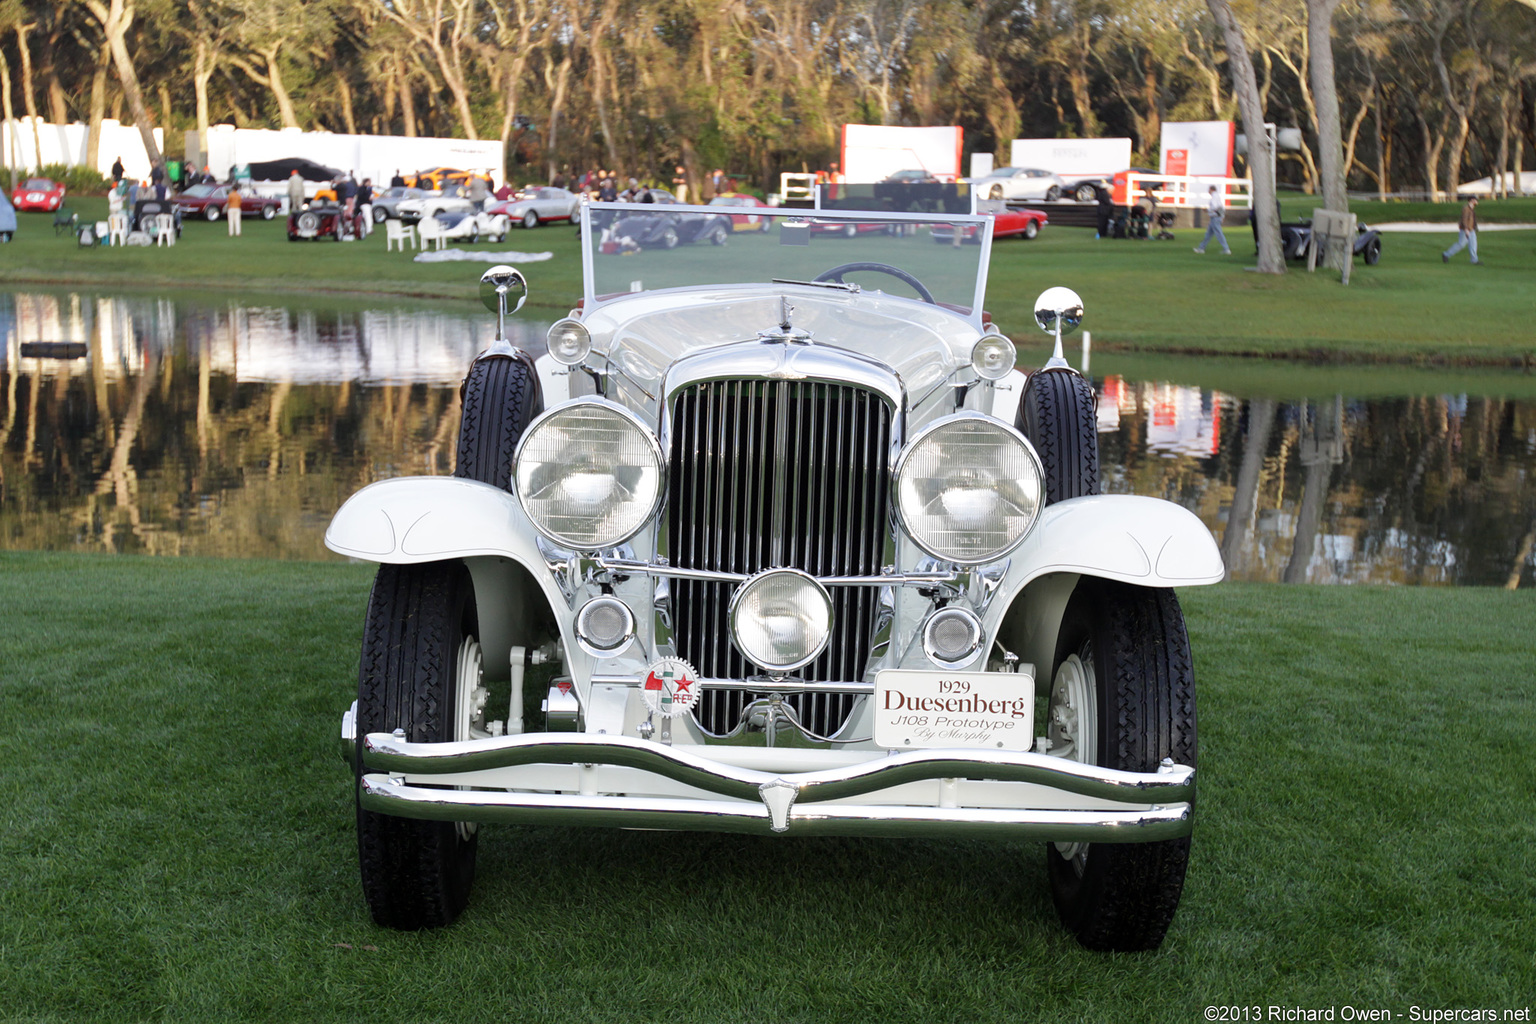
(443,179)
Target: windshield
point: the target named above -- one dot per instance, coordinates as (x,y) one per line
(199,191)
(633,247)
(39,184)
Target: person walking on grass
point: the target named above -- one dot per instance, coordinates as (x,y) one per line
(1466,234)
(232,211)
(1217,210)
(295,192)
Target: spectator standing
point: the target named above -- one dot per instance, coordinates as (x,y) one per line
(133,195)
(478,192)
(680,184)
(365,206)
(608,192)
(348,196)
(398,181)
(1466,234)
(717,181)
(1216,210)
(295,192)
(1106,209)
(232,212)
(117,170)
(157,179)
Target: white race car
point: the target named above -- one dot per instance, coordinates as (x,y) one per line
(808,556)
(458,219)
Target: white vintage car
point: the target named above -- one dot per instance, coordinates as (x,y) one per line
(800,553)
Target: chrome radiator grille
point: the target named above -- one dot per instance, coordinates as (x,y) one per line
(770,474)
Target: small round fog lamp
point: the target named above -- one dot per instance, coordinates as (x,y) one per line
(604,625)
(952,636)
(781,619)
(569,342)
(993,357)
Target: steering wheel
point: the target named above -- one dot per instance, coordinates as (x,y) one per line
(836,274)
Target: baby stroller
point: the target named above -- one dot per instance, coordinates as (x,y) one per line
(1164,222)
(1140,218)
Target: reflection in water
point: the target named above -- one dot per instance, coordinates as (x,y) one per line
(222,429)
(232,429)
(1426,489)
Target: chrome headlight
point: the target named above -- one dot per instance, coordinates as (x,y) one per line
(968,488)
(781,619)
(589,474)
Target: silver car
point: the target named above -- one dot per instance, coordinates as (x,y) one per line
(386,204)
(1020,183)
(539,204)
(792,549)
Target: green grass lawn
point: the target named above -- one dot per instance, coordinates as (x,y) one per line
(177,841)
(1144,297)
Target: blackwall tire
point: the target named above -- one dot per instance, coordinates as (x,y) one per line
(268,212)
(530,220)
(1085,194)
(1057,415)
(501,397)
(1032,230)
(1052,194)
(211,212)
(1132,641)
(997,192)
(1373,252)
(380,215)
(421,623)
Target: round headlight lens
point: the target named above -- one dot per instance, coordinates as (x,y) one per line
(569,342)
(588,475)
(968,489)
(781,619)
(993,357)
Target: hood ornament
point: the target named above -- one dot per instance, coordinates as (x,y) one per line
(785,332)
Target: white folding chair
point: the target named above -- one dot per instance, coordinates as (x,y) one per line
(397,234)
(165,229)
(117,229)
(431,230)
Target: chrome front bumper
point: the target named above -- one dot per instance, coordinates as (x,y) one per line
(437,781)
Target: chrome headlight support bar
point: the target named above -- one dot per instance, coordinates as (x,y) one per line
(634,567)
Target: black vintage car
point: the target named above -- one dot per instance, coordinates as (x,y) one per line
(646,230)
(323,221)
(146,210)
(1296,238)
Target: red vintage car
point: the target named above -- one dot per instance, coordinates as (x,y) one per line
(209,201)
(43,194)
(1006,223)
(745,216)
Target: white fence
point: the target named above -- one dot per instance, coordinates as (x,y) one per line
(1190,190)
(66,144)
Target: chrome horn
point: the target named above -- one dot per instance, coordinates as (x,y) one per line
(1058,311)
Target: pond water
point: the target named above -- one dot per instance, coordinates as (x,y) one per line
(234,428)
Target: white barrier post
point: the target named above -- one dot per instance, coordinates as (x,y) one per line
(1087,344)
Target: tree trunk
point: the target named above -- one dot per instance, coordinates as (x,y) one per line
(8,138)
(344,93)
(202,72)
(556,106)
(285,108)
(98,110)
(1260,146)
(115,20)
(28,94)
(407,102)
(1325,98)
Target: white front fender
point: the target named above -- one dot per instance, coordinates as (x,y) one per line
(432,518)
(1147,541)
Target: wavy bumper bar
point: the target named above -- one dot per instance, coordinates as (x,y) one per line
(759,801)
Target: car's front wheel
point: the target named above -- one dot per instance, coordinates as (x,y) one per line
(1122,696)
(530,220)
(1052,194)
(211,213)
(1373,252)
(420,673)
(997,192)
(268,212)
(501,397)
(1085,193)
(1032,229)
(380,215)
(1058,416)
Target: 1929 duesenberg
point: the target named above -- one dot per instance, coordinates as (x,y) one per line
(799,552)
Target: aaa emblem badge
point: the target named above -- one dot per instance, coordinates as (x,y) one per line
(671,687)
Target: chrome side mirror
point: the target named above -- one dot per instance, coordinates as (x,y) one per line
(498,287)
(1058,311)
